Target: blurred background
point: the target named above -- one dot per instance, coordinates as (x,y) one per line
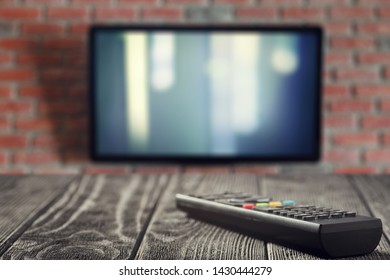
(44,91)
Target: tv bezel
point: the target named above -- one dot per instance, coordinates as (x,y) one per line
(209,159)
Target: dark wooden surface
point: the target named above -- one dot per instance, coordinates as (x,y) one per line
(135,217)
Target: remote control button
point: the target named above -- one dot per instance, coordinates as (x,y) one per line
(336,215)
(350,214)
(308,218)
(263,204)
(275,203)
(288,202)
(322,216)
(263,199)
(298,216)
(248,206)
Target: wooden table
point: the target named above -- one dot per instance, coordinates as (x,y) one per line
(135,217)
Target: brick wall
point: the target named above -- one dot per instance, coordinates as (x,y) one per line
(43,89)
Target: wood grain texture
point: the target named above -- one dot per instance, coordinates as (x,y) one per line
(22,199)
(375,190)
(173,235)
(335,191)
(98,217)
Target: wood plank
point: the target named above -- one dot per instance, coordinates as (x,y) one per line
(376,193)
(173,235)
(22,199)
(98,217)
(334,191)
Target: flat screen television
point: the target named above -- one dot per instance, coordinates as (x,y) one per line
(205,93)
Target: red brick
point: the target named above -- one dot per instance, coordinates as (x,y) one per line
(232,2)
(67,13)
(336,90)
(79,28)
(256,13)
(52,2)
(300,13)
(328,2)
(36,158)
(106,170)
(216,169)
(355,170)
(357,138)
(256,169)
(5,58)
(384,13)
(115,13)
(77,59)
(15,107)
(341,156)
(282,2)
(387,73)
(171,13)
(374,58)
(357,74)
(4,123)
(5,92)
(19,13)
(349,105)
(3,158)
(16,75)
(337,28)
(40,91)
(386,138)
(63,75)
(378,156)
(337,58)
(343,121)
(36,124)
(39,59)
(61,107)
(13,141)
(351,43)
(372,90)
(42,28)
(353,13)
(17,43)
(78,90)
(64,43)
(56,141)
(138,2)
(74,124)
(156,169)
(374,28)
(91,2)
(385,105)
(376,122)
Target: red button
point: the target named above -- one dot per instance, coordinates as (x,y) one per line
(248,206)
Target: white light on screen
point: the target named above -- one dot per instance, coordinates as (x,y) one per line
(284,60)
(137,90)
(163,49)
(244,79)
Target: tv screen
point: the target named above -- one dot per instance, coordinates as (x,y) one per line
(205,93)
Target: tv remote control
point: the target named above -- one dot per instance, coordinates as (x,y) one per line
(319,230)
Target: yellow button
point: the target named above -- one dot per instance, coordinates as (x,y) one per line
(275,203)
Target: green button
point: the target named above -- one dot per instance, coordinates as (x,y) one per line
(263,204)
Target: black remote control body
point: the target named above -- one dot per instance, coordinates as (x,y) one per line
(317,230)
